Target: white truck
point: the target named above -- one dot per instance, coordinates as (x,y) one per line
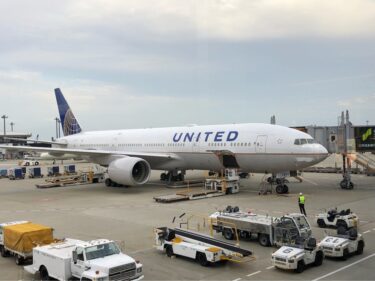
(233,223)
(343,245)
(298,256)
(204,249)
(344,219)
(99,260)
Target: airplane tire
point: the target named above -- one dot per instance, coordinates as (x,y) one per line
(321,223)
(108,182)
(279,189)
(36,163)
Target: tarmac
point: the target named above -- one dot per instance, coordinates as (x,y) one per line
(129,215)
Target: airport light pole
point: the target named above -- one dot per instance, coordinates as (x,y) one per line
(4,117)
(12,125)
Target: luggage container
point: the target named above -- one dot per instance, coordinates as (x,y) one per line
(35,172)
(70,169)
(3,173)
(53,171)
(16,174)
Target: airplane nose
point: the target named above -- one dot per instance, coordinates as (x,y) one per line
(321,151)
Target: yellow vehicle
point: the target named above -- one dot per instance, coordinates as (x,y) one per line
(18,239)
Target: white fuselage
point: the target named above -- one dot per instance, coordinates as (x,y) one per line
(256,147)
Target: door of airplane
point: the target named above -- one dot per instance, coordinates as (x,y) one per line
(260,145)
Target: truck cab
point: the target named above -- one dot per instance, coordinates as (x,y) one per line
(103,257)
(291,227)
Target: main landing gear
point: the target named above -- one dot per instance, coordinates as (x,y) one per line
(281,187)
(173,176)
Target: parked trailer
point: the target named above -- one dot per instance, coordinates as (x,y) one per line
(269,230)
(35,172)
(53,171)
(94,260)
(205,249)
(3,173)
(20,237)
(69,169)
(16,174)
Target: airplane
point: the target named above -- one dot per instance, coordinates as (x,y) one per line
(131,154)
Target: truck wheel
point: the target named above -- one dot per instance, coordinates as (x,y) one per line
(264,240)
(321,223)
(4,253)
(169,250)
(318,258)
(19,260)
(228,234)
(285,189)
(202,259)
(360,247)
(345,254)
(44,276)
(300,266)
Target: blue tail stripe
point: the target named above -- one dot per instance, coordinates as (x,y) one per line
(69,123)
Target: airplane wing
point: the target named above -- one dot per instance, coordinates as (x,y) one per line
(92,153)
(36,141)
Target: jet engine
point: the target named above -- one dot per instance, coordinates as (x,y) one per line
(129,171)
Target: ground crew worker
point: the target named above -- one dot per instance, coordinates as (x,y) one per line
(301,203)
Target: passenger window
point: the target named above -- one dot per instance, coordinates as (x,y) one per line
(80,254)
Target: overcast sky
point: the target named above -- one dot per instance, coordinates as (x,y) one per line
(130,64)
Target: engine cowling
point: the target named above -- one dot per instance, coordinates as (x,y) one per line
(129,171)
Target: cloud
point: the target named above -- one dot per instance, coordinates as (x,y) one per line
(359,101)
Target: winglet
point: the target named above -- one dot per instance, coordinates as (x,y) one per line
(69,123)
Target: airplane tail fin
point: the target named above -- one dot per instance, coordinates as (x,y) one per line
(69,123)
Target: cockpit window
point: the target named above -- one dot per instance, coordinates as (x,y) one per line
(304,141)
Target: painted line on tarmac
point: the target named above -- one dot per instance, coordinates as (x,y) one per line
(309,181)
(238,279)
(366,231)
(363,221)
(373,229)
(251,274)
(345,267)
(270,267)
